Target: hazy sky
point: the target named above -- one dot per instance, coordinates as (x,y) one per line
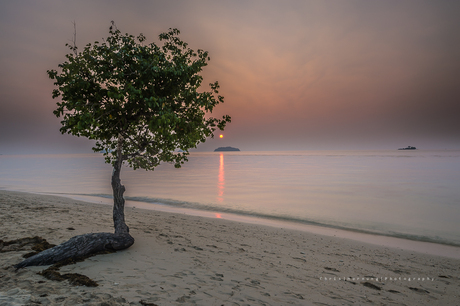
(296,75)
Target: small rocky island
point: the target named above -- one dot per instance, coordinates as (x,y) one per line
(226,149)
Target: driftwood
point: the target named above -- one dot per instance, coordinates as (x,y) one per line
(79,246)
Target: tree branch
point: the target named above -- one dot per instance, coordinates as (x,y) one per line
(74,47)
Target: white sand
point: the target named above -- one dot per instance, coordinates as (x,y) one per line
(184,260)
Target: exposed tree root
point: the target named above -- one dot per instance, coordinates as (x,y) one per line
(79,247)
(75,250)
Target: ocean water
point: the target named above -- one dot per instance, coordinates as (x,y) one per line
(408,194)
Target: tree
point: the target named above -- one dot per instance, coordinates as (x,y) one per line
(142,105)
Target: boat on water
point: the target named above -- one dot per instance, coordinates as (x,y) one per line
(408,148)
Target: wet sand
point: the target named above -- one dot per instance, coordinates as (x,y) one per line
(179,259)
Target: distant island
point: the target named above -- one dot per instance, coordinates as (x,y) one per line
(226,149)
(408,148)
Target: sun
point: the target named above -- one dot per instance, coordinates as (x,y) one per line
(221,136)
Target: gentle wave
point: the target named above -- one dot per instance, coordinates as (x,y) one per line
(284,218)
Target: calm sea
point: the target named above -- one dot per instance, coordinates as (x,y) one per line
(409,194)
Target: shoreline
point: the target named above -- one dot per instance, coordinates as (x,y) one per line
(181,259)
(426,247)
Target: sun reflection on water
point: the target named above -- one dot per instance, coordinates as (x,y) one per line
(221,180)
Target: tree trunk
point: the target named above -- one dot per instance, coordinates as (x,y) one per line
(118,201)
(84,245)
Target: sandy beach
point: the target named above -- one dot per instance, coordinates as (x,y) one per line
(179,259)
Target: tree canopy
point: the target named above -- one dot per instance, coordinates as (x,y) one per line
(137,99)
